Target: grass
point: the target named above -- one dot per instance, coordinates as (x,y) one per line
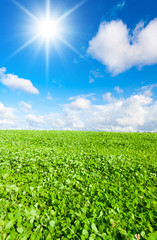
(78,185)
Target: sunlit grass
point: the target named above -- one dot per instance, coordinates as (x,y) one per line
(78,185)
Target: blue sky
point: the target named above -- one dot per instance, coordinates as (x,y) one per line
(100,72)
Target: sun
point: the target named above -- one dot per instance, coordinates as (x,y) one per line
(48,29)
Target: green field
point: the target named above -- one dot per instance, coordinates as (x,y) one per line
(78,185)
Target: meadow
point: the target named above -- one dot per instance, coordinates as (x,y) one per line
(78,185)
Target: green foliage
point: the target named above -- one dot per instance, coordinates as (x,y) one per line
(78,185)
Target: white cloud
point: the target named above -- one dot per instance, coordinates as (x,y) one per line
(25,106)
(35,122)
(7,117)
(147,90)
(90,95)
(118,90)
(135,113)
(108,96)
(72,116)
(80,103)
(118,49)
(95,74)
(67,120)
(14,82)
(33,118)
(73,119)
(139,27)
(112,13)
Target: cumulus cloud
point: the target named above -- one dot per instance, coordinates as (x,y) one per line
(35,122)
(108,97)
(119,49)
(80,103)
(137,112)
(7,117)
(14,82)
(71,118)
(33,118)
(55,121)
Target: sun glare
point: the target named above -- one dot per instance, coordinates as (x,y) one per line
(48,29)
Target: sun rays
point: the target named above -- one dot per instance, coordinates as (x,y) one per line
(47,29)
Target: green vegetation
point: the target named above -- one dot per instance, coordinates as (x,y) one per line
(78,185)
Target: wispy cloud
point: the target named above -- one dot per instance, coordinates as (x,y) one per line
(120,5)
(118,90)
(49,97)
(94,74)
(91,80)
(147,90)
(113,12)
(26,107)
(90,95)
(97,73)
